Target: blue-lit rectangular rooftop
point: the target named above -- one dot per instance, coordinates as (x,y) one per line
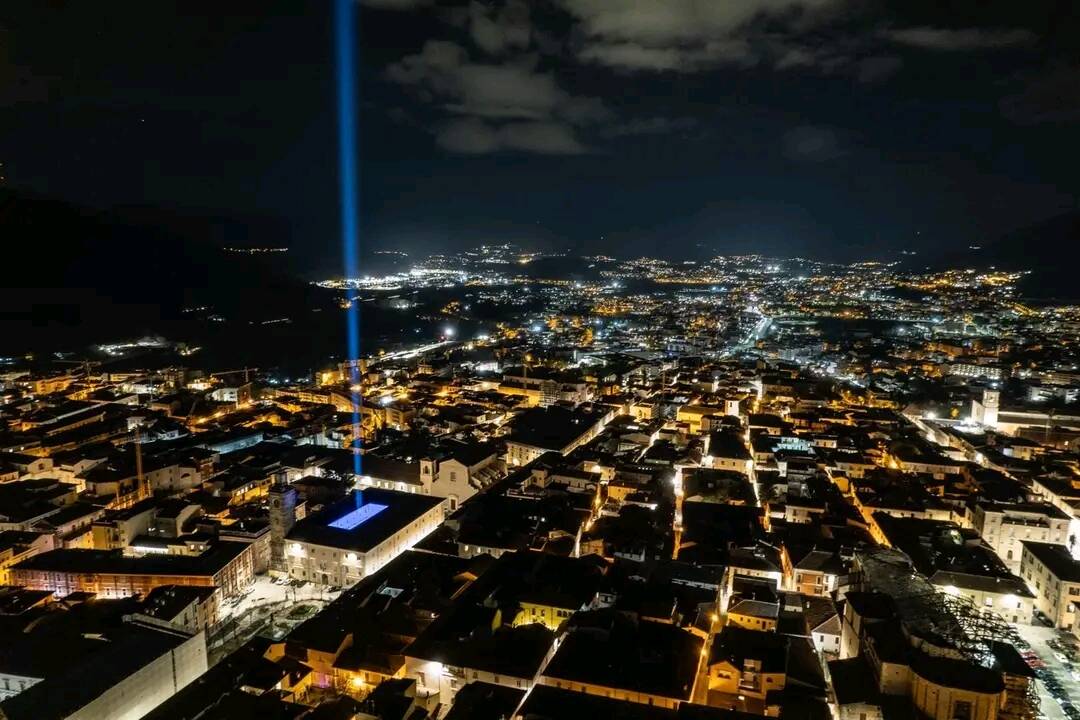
(364,518)
(359,516)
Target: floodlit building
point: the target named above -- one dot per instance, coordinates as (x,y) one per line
(354,537)
(554,429)
(111,574)
(460,471)
(1054,576)
(985,409)
(1005,527)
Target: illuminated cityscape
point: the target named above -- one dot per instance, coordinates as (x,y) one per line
(743,484)
(508,360)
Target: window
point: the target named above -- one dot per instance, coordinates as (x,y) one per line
(961,710)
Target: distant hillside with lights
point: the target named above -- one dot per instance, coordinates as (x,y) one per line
(74,274)
(1049,249)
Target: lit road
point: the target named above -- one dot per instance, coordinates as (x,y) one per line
(761,329)
(412,352)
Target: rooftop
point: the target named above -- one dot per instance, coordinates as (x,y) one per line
(553,428)
(114,562)
(1057,560)
(363,519)
(90,667)
(609,649)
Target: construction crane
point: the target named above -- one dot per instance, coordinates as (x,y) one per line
(86,365)
(142,489)
(140,476)
(246,371)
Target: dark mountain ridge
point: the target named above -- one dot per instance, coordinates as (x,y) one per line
(73,274)
(1049,249)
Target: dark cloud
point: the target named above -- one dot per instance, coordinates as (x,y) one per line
(474,136)
(877,68)
(506,105)
(496,31)
(495,88)
(513,89)
(688,35)
(697,35)
(933,38)
(395,4)
(635,56)
(797,57)
(650,126)
(809,143)
(401,116)
(676,23)
(1051,97)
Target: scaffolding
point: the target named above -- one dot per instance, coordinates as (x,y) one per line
(948,621)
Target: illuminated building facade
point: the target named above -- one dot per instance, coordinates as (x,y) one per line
(358,535)
(110,574)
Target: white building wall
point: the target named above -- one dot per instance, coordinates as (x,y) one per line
(12,685)
(1011,608)
(344,567)
(146,688)
(1006,537)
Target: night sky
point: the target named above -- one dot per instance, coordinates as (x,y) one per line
(831,128)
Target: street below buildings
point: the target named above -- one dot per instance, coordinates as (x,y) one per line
(1038,638)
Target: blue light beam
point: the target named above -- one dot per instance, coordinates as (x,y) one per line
(344,27)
